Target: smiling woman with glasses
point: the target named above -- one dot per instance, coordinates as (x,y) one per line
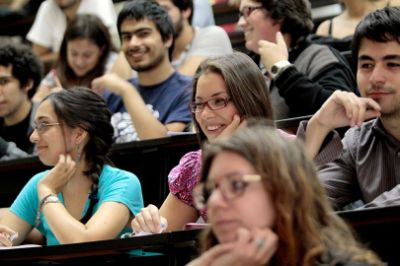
(72,202)
(227,90)
(266,206)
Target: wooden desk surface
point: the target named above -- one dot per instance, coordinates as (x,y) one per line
(378,229)
(173,248)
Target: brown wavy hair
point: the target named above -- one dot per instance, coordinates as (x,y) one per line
(245,85)
(88,27)
(308,229)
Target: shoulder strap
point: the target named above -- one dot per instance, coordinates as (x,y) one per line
(93,200)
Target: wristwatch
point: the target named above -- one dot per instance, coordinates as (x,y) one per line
(50,199)
(279,67)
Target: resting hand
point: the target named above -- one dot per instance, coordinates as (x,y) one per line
(345,109)
(53,182)
(149,221)
(272,53)
(233,126)
(111,82)
(250,248)
(7,236)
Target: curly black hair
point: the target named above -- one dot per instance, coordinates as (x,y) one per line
(25,64)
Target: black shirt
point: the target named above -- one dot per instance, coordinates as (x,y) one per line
(18,133)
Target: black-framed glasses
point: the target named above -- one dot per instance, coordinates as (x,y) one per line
(247,10)
(42,127)
(214,104)
(231,186)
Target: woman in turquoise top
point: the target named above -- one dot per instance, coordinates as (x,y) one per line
(82,198)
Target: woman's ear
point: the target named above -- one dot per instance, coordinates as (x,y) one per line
(80,136)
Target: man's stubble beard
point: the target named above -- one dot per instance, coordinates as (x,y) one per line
(151,65)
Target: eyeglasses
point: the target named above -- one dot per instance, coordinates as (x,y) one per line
(231,186)
(42,127)
(247,10)
(213,104)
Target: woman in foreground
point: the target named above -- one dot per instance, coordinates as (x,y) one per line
(267,207)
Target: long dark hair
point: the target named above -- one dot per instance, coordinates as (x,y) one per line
(245,85)
(83,108)
(88,27)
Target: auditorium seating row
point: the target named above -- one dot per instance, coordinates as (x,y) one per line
(152,160)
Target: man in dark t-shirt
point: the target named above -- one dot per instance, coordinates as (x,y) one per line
(17,133)
(157,101)
(20,73)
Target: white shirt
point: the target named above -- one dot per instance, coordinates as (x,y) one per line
(207,42)
(202,14)
(50,22)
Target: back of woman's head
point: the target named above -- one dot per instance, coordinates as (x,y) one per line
(305,222)
(84,27)
(246,86)
(83,108)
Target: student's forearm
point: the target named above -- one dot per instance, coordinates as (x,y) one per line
(65,227)
(68,229)
(171,206)
(314,137)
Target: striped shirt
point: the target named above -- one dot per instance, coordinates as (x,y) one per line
(367,169)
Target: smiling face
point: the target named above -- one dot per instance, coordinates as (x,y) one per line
(213,122)
(83,56)
(378,74)
(142,44)
(257,25)
(51,141)
(253,209)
